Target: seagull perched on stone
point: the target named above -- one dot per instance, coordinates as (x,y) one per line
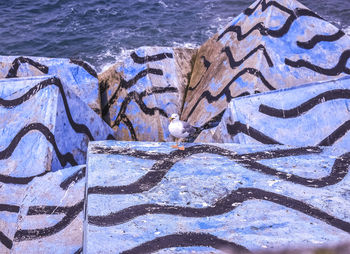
(180,129)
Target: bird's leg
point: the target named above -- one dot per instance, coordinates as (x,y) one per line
(181,147)
(177,146)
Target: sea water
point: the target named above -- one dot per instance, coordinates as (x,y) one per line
(98,31)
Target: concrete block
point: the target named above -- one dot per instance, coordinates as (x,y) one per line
(143,90)
(146,197)
(272,45)
(313,114)
(76,75)
(44,127)
(45,215)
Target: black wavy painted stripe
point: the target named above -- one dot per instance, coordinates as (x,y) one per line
(336,135)
(128,84)
(79,128)
(339,68)
(129,125)
(266,31)
(186,239)
(12,73)
(234,63)
(153,58)
(212,123)
(63,158)
(138,98)
(238,127)
(206,63)
(86,67)
(74,178)
(264,6)
(31,234)
(19,180)
(79,251)
(6,241)
(9,208)
(222,206)
(319,38)
(165,162)
(226,90)
(306,106)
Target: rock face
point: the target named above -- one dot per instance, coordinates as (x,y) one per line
(45,215)
(79,76)
(272,45)
(140,93)
(226,197)
(44,126)
(314,114)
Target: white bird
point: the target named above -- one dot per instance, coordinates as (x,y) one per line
(180,129)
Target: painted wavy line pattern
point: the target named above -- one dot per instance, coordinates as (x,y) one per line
(268,32)
(70,214)
(320,38)
(138,98)
(128,84)
(9,208)
(76,177)
(264,6)
(19,180)
(187,239)
(63,158)
(153,58)
(222,206)
(238,127)
(339,68)
(234,63)
(306,106)
(226,90)
(7,242)
(85,66)
(336,135)
(12,73)
(79,128)
(166,161)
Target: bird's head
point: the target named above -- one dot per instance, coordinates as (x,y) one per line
(174,117)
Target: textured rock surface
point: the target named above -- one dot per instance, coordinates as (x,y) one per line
(140,93)
(44,127)
(272,45)
(76,75)
(313,114)
(223,196)
(44,215)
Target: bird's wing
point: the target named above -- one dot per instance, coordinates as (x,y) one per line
(188,128)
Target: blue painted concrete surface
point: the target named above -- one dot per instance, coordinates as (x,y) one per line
(313,114)
(82,81)
(145,195)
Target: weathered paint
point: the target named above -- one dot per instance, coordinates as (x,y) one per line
(283,197)
(272,45)
(313,114)
(78,76)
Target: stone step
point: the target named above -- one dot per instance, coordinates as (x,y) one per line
(44,127)
(313,114)
(77,75)
(141,92)
(147,197)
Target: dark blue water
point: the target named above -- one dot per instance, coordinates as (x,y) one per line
(97,31)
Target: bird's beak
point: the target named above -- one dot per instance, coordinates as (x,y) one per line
(170,118)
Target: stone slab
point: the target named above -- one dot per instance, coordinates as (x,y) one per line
(272,45)
(141,92)
(44,215)
(313,114)
(76,75)
(147,197)
(44,127)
